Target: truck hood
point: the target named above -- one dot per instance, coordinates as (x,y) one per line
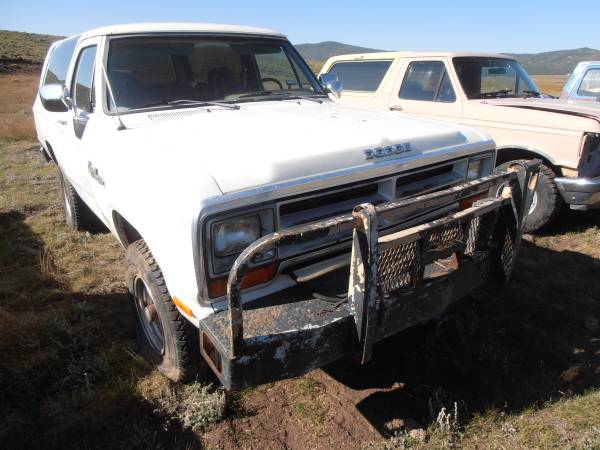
(274,141)
(558,106)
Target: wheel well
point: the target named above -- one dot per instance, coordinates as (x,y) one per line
(510,154)
(126,232)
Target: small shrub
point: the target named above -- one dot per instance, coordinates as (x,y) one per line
(201,406)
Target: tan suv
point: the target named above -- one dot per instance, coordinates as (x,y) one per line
(494,93)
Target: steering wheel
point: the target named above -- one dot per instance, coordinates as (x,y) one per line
(274,80)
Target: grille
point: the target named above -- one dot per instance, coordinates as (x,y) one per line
(447,235)
(401,266)
(507,254)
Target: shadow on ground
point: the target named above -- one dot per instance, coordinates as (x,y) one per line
(517,347)
(68,372)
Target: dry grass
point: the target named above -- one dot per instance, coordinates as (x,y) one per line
(18,93)
(25,46)
(551,84)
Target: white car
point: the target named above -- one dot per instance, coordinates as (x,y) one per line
(215,157)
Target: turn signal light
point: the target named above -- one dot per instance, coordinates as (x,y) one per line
(182,306)
(254,277)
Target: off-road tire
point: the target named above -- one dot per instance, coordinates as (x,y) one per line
(77,214)
(549,201)
(180,359)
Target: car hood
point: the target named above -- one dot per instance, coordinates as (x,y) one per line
(274,141)
(558,106)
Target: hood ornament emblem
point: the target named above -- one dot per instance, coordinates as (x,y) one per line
(382,152)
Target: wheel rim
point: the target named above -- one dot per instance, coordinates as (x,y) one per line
(148,316)
(534,201)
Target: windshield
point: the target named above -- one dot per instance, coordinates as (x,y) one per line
(155,71)
(494,78)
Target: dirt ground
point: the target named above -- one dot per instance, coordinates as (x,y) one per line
(517,367)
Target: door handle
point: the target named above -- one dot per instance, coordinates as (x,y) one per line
(396,108)
(61,122)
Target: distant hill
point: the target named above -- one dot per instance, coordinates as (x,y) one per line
(26,51)
(23,51)
(323,50)
(560,62)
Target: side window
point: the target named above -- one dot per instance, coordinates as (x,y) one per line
(446,91)
(82,90)
(365,76)
(427,81)
(59,61)
(590,85)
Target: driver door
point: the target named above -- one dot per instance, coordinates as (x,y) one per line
(79,168)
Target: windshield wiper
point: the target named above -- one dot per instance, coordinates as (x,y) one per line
(495,93)
(532,93)
(281,94)
(165,102)
(202,103)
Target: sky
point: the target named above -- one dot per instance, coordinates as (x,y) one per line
(500,26)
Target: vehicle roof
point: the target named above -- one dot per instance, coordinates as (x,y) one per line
(409,54)
(179,27)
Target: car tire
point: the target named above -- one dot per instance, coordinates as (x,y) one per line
(547,201)
(78,215)
(166,339)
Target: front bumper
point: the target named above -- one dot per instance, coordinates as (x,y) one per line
(580,193)
(395,281)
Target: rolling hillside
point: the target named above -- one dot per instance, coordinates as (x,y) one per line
(23,51)
(26,51)
(323,50)
(560,62)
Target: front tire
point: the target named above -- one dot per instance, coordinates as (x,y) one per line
(547,202)
(166,339)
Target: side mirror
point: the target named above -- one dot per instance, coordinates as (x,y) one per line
(331,83)
(52,97)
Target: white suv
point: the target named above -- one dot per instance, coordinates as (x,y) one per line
(215,157)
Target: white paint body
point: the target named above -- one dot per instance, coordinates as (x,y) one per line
(169,169)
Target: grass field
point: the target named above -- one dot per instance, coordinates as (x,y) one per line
(513,368)
(551,84)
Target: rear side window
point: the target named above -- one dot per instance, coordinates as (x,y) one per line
(590,85)
(58,65)
(84,76)
(427,81)
(360,76)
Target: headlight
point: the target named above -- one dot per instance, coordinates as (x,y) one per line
(233,236)
(475,168)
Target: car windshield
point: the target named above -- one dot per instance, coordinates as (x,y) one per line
(159,71)
(494,78)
